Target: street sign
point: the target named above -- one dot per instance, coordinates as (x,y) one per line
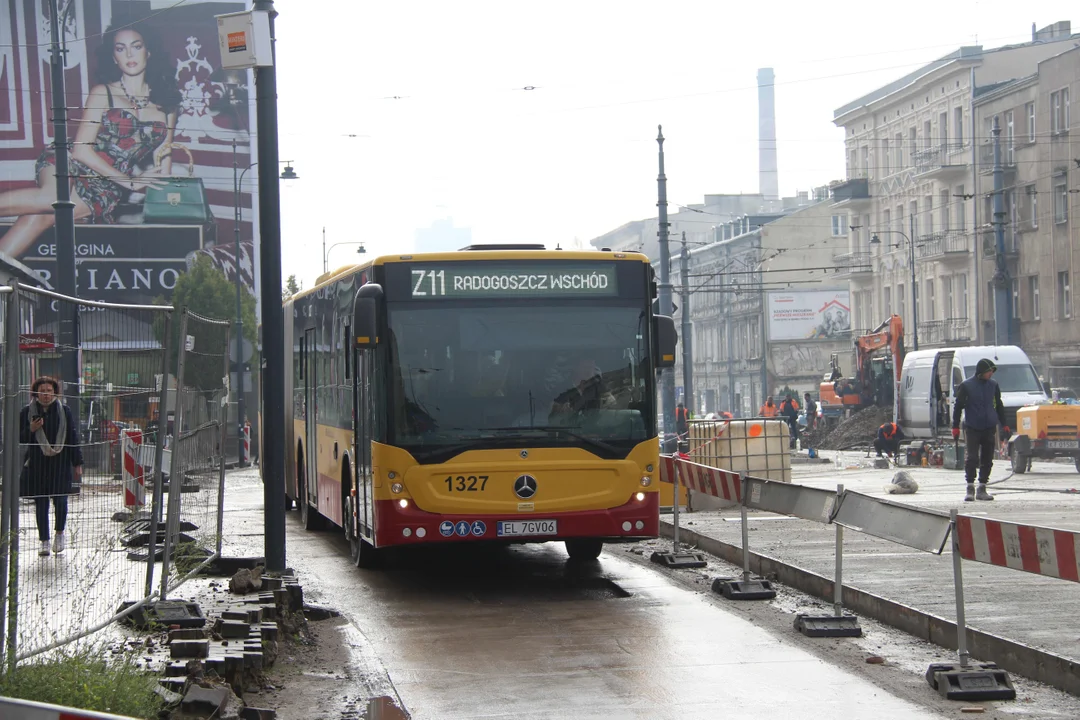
(36,342)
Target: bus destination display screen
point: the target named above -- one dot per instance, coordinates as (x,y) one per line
(468,280)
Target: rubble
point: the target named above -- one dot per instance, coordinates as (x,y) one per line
(858,430)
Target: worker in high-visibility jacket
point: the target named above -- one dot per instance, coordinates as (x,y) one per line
(769,409)
(888,439)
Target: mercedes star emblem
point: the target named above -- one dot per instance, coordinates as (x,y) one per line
(525,487)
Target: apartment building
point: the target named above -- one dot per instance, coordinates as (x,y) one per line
(1040,158)
(913,221)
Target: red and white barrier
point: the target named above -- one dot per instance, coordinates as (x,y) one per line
(1039,550)
(245,456)
(718,483)
(30,710)
(134,479)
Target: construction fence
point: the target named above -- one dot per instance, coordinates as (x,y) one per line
(111,493)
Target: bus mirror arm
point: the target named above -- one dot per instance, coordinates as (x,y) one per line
(666,339)
(365,327)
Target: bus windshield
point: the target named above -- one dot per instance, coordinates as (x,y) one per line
(1013,378)
(471,376)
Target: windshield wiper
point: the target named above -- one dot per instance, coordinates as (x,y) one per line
(563,429)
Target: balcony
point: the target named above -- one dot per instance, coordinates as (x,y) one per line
(852,264)
(986,157)
(851,192)
(941,160)
(945,244)
(943,332)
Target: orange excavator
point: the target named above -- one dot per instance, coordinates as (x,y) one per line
(877,373)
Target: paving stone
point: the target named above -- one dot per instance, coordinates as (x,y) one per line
(251,713)
(189,649)
(205,701)
(232,628)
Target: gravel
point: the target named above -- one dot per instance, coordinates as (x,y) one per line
(859,429)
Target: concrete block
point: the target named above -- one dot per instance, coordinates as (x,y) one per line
(189,649)
(205,701)
(233,628)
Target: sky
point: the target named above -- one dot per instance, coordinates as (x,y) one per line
(537,122)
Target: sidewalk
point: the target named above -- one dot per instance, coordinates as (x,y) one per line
(1019,606)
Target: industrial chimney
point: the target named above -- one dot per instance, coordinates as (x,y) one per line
(768,181)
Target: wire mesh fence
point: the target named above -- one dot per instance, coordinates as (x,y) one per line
(197,462)
(113,434)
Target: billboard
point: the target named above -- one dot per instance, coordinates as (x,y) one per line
(809,315)
(160,137)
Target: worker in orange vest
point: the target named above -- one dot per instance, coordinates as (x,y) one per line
(768,409)
(888,439)
(789,408)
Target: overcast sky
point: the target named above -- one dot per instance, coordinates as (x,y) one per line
(399,113)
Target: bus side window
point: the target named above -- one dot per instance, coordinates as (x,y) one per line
(348,352)
(303,354)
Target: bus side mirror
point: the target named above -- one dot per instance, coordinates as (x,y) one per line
(365,325)
(666,339)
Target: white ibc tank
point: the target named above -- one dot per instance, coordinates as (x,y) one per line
(754,447)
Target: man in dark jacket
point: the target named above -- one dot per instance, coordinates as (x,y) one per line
(888,439)
(811,412)
(789,409)
(979,398)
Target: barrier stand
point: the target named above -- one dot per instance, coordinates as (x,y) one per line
(132,474)
(748,588)
(676,559)
(245,457)
(838,624)
(967,681)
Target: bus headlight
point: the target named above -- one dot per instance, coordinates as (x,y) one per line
(396,488)
(648,468)
(403,503)
(646,481)
(640,496)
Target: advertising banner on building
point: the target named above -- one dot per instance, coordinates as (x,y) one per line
(809,315)
(160,137)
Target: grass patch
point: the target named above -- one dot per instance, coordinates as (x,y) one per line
(94,678)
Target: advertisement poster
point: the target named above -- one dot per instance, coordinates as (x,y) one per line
(809,315)
(161,158)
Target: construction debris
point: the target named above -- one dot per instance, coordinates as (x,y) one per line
(857,431)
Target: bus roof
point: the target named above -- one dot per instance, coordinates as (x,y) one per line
(473,254)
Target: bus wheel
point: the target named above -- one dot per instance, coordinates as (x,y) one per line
(584,548)
(363,553)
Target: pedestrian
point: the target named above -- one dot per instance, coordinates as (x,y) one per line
(768,410)
(789,408)
(888,439)
(682,426)
(49,437)
(979,399)
(811,412)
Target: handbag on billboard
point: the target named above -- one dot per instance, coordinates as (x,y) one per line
(182,200)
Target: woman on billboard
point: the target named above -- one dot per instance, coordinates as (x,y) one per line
(128,115)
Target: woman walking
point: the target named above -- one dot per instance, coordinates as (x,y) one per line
(50,438)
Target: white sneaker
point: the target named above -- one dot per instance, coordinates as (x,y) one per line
(59,542)
(44,551)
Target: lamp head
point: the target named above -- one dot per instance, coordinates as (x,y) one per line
(875,240)
(289,174)
(361,250)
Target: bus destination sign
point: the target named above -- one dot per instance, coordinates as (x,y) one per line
(461,280)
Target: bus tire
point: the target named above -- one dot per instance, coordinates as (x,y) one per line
(584,548)
(363,553)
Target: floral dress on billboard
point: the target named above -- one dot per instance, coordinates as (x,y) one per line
(123,141)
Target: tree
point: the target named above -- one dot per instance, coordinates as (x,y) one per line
(206,291)
(291,288)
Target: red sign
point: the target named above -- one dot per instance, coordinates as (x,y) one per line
(36,342)
(237,42)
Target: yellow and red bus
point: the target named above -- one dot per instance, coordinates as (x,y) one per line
(500,393)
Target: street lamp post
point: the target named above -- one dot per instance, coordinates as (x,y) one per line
(326,250)
(875,240)
(238,179)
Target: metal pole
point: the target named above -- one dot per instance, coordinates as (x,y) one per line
(838,581)
(958,583)
(273,350)
(159,452)
(914,286)
(974,191)
(667,376)
(745,541)
(9,516)
(221,460)
(64,210)
(324,262)
(729,304)
(240,410)
(687,332)
(1002,313)
(675,504)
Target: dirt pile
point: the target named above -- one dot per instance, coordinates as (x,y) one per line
(859,429)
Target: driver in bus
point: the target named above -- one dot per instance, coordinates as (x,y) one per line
(586,393)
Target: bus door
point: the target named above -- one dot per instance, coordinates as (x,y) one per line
(363,418)
(311,426)
(941,397)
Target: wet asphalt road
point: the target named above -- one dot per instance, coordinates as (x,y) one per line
(521,633)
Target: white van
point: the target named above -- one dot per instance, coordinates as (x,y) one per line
(930,378)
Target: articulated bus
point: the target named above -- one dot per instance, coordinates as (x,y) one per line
(500,393)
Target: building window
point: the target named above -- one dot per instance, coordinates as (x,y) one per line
(839,225)
(887,296)
(958,126)
(961,208)
(884,158)
(1061,203)
(947,296)
(913,210)
(853,167)
(944,201)
(1030,110)
(1059,111)
(898,140)
(912,141)
(1033,202)
(866,161)
(961,311)
(930,301)
(1010,139)
(1064,295)
(1015,300)
(900,300)
(928,211)
(1033,296)
(943,130)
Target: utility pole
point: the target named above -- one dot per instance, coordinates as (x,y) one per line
(667,375)
(687,331)
(273,348)
(1002,315)
(64,210)
(324,263)
(914,284)
(241,411)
